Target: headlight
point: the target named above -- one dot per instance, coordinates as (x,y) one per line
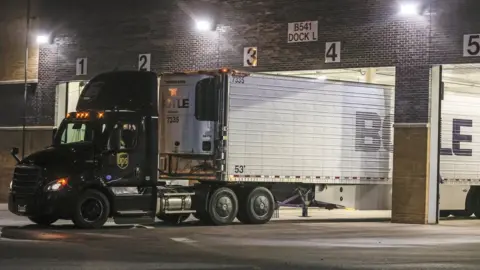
(11,184)
(57,184)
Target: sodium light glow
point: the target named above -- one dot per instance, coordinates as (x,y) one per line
(42,39)
(409,9)
(204,25)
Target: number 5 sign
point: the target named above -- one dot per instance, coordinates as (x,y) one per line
(471,45)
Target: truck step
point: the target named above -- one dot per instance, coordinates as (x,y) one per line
(179,194)
(181,212)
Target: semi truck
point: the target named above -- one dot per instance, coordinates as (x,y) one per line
(244,142)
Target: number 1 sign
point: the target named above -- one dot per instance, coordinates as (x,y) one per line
(81,66)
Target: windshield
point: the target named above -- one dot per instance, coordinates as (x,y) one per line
(77,132)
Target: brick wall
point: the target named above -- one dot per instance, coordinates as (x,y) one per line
(371,31)
(12,42)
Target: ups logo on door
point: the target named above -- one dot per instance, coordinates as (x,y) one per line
(122,160)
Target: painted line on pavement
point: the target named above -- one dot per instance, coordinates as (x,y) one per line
(183,240)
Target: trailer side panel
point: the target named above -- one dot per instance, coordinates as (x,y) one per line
(284,129)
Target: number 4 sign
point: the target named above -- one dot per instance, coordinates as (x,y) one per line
(471,45)
(332,52)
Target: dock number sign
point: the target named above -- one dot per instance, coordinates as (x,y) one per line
(471,45)
(81,66)
(250,56)
(144,61)
(302,31)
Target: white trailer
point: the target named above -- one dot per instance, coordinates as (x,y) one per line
(289,134)
(334,135)
(459,161)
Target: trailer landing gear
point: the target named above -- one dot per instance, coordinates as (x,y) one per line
(304,194)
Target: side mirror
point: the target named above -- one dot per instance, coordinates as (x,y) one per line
(54,132)
(14,153)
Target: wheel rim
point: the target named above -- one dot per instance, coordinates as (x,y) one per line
(91,210)
(224,207)
(261,206)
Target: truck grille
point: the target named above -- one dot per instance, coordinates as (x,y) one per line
(26,180)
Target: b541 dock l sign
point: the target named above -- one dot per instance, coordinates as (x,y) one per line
(302,31)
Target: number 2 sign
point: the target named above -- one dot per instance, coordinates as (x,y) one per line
(471,45)
(144,61)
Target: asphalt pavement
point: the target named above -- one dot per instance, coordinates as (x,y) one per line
(321,243)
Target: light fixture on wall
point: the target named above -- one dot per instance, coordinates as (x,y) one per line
(43,39)
(205,25)
(409,9)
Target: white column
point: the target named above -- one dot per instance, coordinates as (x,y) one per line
(435,89)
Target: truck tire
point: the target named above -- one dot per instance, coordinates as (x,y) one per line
(204,218)
(223,206)
(461,213)
(43,220)
(173,219)
(257,207)
(91,210)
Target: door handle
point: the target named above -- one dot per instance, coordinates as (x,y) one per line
(137,172)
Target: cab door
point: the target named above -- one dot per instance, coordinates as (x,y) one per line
(123,170)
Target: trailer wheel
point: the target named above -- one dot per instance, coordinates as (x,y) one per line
(43,220)
(472,202)
(461,213)
(173,219)
(257,207)
(204,218)
(92,210)
(223,206)
(444,213)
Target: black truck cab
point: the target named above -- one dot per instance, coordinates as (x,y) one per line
(103,159)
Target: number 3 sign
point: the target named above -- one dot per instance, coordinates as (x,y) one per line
(250,57)
(471,45)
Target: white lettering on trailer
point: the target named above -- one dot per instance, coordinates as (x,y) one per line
(81,66)
(250,56)
(303,31)
(144,62)
(471,45)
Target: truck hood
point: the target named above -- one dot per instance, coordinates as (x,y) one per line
(62,159)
